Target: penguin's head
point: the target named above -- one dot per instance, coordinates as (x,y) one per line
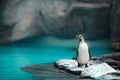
(80,37)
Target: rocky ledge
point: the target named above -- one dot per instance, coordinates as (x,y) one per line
(104,68)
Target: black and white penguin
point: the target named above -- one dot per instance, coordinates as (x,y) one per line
(83,54)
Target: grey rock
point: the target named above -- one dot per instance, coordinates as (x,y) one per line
(33,17)
(66,63)
(97,70)
(25,18)
(112,59)
(111,76)
(113,56)
(54,17)
(114,19)
(50,71)
(83,18)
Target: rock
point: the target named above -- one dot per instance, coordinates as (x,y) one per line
(111,76)
(83,18)
(61,18)
(57,17)
(111,59)
(49,72)
(66,63)
(33,17)
(97,70)
(113,56)
(115,64)
(114,19)
(75,70)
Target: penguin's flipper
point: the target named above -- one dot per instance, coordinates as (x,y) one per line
(74,58)
(90,55)
(76,52)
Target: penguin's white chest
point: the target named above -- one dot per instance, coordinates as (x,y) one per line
(83,53)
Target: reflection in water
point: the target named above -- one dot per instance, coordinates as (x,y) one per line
(41,50)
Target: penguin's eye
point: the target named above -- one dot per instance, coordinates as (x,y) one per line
(80,36)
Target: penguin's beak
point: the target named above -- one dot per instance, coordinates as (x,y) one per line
(80,39)
(78,36)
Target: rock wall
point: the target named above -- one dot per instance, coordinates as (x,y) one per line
(88,19)
(25,18)
(66,18)
(113,20)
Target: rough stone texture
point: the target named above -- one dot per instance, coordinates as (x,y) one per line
(97,70)
(68,63)
(112,59)
(49,72)
(114,56)
(113,20)
(84,18)
(25,18)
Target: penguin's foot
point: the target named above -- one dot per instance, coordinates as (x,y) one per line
(87,65)
(80,65)
(83,66)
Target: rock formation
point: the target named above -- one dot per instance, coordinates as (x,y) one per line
(26,18)
(97,70)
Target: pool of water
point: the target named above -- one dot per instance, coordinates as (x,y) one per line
(40,50)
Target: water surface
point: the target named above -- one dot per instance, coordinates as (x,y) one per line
(40,50)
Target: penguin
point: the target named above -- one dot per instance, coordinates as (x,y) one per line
(83,54)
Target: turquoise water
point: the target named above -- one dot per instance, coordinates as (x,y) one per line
(40,50)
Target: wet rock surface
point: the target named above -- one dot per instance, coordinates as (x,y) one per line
(50,72)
